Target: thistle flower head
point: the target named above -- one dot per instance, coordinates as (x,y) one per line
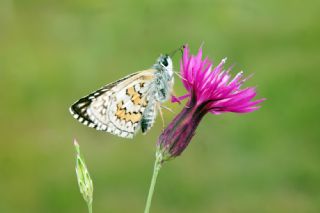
(83,177)
(213,87)
(209,90)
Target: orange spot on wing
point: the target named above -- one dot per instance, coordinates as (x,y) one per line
(122,114)
(136,97)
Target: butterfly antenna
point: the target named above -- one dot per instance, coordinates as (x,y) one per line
(172,53)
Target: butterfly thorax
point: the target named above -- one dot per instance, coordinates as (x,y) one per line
(163,81)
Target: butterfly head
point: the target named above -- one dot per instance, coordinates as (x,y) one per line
(164,63)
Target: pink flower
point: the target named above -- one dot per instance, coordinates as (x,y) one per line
(210,90)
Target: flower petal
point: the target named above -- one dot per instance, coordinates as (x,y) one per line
(212,85)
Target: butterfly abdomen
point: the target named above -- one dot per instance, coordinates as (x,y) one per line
(148,118)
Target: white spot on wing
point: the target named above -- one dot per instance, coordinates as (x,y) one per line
(124,134)
(117,132)
(137,87)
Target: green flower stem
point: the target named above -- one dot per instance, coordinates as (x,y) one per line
(90,207)
(156,169)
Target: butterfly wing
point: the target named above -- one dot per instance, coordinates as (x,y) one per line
(118,107)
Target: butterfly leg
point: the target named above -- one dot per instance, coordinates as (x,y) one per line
(180,76)
(167,108)
(161,114)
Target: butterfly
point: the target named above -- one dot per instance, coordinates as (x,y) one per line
(129,104)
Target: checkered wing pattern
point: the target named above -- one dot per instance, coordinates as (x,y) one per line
(118,107)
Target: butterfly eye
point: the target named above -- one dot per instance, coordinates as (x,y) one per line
(164,62)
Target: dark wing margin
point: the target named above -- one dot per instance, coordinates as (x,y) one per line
(79,109)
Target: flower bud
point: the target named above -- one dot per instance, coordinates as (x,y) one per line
(83,177)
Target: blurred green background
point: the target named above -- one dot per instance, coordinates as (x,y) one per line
(54,52)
